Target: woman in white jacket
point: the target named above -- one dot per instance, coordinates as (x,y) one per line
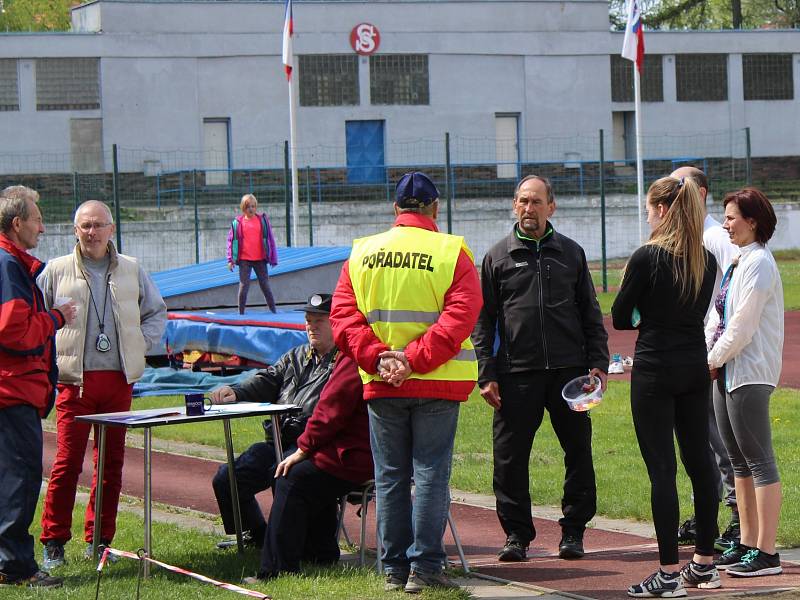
(745,338)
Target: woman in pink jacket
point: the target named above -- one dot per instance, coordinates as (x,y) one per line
(251,245)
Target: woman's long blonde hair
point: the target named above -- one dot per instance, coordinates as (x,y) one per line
(681,231)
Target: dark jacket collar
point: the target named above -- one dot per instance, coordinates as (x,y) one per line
(553,242)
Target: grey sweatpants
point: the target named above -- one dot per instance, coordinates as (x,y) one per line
(743,422)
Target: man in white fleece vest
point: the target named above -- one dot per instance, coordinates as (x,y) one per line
(120,316)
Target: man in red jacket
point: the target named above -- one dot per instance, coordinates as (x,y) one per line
(27,356)
(404,307)
(332,459)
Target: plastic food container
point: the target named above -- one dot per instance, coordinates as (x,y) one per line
(583,393)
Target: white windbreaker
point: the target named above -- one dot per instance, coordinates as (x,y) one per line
(751,346)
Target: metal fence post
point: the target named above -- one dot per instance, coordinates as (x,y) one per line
(115,187)
(748,165)
(196,219)
(447,182)
(287,195)
(76,195)
(602,165)
(310,209)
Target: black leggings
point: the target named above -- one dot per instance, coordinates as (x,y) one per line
(666,400)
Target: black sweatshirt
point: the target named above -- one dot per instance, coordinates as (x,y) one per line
(671,329)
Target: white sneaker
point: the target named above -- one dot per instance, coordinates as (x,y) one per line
(616,368)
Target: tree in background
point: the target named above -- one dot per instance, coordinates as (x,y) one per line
(711,14)
(36,15)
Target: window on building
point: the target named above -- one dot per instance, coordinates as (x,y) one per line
(9,90)
(399,79)
(328,80)
(622,79)
(67,83)
(701,77)
(768,77)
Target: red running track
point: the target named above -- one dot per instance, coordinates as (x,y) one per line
(613,560)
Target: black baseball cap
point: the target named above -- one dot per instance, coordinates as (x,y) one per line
(318,303)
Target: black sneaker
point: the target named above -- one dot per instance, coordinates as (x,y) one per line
(700,576)
(249,540)
(730,537)
(394,583)
(687,532)
(40,579)
(571,546)
(757,563)
(731,556)
(660,585)
(513,551)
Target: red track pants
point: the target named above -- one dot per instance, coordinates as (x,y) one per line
(103,391)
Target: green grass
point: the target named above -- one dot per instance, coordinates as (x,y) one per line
(195,551)
(788,264)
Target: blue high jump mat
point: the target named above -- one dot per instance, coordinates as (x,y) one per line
(261,336)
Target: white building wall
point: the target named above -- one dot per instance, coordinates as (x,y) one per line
(167,66)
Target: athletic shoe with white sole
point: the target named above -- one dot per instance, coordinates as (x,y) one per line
(731,556)
(659,585)
(705,577)
(756,564)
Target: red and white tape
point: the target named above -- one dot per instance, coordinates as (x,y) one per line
(220,584)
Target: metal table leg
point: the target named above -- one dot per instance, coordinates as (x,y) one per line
(237,511)
(148,499)
(276,438)
(98,493)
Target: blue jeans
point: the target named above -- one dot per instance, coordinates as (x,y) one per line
(412,437)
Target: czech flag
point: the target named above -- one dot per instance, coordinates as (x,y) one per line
(288,32)
(633,45)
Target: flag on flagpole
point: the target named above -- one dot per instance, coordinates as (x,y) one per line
(633,45)
(288,33)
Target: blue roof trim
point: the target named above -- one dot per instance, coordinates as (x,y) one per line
(215,273)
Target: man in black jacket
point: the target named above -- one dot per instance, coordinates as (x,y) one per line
(296,378)
(539,297)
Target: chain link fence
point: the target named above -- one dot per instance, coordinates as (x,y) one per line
(174,209)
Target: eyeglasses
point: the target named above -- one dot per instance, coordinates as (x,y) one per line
(87,227)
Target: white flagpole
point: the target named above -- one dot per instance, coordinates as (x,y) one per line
(293,159)
(637,107)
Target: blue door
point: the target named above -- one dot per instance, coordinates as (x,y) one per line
(365,156)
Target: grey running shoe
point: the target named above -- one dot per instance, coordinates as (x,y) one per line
(53,556)
(659,585)
(419,581)
(40,580)
(111,559)
(394,583)
(705,577)
(756,564)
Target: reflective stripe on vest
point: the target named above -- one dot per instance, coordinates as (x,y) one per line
(400,278)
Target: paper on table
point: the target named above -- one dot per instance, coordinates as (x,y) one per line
(145,415)
(238,407)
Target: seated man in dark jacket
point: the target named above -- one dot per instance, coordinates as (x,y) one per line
(333,457)
(296,378)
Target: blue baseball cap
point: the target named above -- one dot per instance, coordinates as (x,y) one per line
(415,189)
